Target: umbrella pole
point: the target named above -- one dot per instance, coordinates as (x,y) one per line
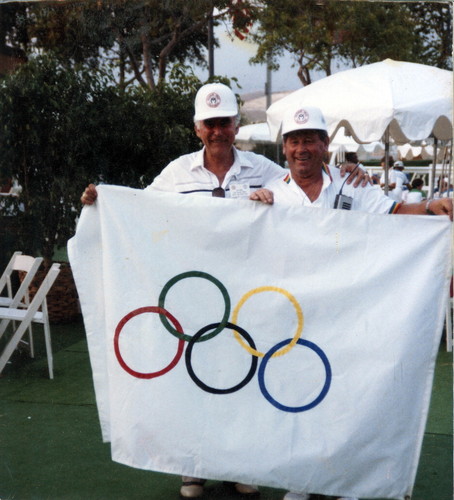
(386,159)
(434,169)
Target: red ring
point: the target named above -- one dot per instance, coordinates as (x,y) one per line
(122,323)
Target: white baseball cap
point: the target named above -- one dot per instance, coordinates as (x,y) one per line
(215,100)
(303,118)
(398,163)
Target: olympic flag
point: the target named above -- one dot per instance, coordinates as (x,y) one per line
(286,347)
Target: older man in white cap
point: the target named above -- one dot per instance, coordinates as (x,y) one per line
(312,183)
(219,169)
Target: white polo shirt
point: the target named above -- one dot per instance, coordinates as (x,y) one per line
(368,199)
(187,174)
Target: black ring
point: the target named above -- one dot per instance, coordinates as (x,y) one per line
(201,384)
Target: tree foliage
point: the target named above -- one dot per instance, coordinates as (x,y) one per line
(63,129)
(140,39)
(320,32)
(433,26)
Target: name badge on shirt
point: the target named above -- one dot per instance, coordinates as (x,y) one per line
(239,190)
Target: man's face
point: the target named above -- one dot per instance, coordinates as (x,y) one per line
(305,153)
(217,134)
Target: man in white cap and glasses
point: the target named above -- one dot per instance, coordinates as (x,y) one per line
(312,183)
(219,170)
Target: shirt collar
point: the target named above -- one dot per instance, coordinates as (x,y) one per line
(239,161)
(326,174)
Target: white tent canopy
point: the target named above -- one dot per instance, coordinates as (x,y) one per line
(342,142)
(411,101)
(259,133)
(254,133)
(408,152)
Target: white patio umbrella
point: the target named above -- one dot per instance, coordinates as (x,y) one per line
(405,101)
(254,133)
(411,100)
(344,143)
(409,151)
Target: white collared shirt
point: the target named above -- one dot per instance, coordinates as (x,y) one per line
(368,199)
(188,175)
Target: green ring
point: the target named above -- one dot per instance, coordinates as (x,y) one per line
(195,274)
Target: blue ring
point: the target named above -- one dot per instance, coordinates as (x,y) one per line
(318,399)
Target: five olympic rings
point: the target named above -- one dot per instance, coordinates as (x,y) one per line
(210,331)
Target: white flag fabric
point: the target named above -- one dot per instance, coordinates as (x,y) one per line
(288,347)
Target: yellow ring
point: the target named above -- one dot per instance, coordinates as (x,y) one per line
(299,315)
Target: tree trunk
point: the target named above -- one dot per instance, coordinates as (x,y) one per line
(147,60)
(303,73)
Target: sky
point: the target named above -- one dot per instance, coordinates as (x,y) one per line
(231,59)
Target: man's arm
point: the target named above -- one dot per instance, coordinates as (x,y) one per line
(441,206)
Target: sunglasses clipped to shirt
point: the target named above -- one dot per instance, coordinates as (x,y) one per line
(218,192)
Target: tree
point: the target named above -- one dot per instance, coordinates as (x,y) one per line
(376,31)
(43,146)
(62,129)
(139,38)
(321,32)
(433,26)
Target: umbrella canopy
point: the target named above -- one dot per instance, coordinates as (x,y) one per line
(408,152)
(344,143)
(407,101)
(254,133)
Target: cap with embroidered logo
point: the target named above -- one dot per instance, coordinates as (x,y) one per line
(215,100)
(303,118)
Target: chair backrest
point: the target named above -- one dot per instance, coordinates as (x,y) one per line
(8,270)
(40,296)
(26,264)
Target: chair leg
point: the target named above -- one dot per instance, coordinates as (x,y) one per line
(11,346)
(30,341)
(50,359)
(449,330)
(3,325)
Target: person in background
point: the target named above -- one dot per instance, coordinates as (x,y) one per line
(376,179)
(352,157)
(398,180)
(444,191)
(415,194)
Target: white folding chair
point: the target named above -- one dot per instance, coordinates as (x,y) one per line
(449,324)
(36,312)
(18,263)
